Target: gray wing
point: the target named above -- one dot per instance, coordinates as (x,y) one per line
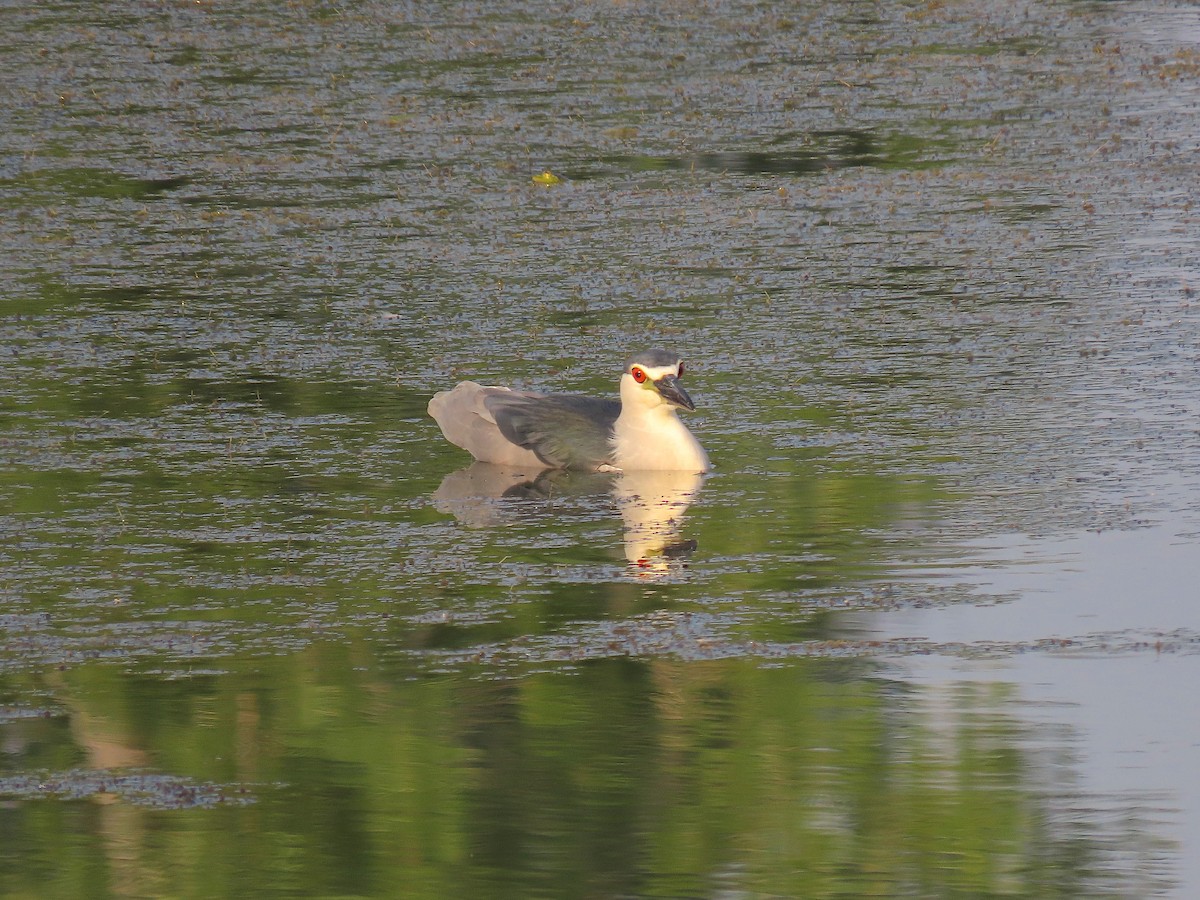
(564,430)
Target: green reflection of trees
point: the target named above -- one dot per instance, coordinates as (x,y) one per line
(623,778)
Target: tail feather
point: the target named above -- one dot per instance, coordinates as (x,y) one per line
(465,420)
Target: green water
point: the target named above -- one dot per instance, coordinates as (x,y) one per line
(263,633)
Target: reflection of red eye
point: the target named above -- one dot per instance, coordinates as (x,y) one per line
(638,375)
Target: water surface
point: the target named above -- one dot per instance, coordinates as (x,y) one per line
(926,629)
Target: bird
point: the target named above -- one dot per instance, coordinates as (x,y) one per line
(641,431)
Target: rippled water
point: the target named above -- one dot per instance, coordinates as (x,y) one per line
(925,631)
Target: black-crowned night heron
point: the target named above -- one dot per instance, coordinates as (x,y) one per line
(642,431)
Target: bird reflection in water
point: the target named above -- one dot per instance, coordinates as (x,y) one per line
(652,505)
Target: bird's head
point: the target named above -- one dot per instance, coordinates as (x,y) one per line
(652,379)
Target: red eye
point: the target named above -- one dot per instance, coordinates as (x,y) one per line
(638,375)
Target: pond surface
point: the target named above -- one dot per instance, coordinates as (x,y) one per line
(929,629)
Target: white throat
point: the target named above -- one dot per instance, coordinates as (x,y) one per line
(649,434)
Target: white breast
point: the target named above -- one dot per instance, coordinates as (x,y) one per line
(656,439)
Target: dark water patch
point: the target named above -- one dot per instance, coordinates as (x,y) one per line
(389,163)
(332,403)
(185,56)
(52,185)
(1017,45)
(821,151)
(119,297)
(232,74)
(257,390)
(114,294)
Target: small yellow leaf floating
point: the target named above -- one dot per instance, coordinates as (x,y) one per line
(546,177)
